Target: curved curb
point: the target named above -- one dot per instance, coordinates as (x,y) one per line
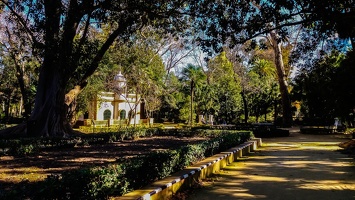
(165,183)
(235,150)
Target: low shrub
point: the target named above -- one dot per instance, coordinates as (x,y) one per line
(27,146)
(91,183)
(126,174)
(130,174)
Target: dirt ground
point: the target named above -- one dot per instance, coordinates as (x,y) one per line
(294,168)
(37,167)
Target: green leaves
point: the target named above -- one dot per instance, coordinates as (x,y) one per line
(326,90)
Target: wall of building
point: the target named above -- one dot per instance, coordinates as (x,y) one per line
(112,105)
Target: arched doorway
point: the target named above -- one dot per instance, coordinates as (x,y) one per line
(122,114)
(107,114)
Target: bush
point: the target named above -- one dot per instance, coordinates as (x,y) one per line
(134,173)
(129,174)
(27,146)
(93,183)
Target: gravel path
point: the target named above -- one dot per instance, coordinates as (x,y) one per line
(298,167)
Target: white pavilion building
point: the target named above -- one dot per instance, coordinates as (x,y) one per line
(116,107)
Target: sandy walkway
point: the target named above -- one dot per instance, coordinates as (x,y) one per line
(297,167)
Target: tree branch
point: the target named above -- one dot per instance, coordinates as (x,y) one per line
(86,29)
(95,63)
(271,29)
(23,24)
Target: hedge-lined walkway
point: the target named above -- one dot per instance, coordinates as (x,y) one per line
(296,167)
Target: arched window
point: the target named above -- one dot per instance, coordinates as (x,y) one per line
(122,114)
(107,114)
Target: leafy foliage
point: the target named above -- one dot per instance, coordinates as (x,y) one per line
(325,89)
(195,78)
(226,86)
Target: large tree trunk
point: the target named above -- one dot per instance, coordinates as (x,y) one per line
(282,78)
(48,118)
(49,115)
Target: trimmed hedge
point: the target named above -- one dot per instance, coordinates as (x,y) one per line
(130,174)
(27,146)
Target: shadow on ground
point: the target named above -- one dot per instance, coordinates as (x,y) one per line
(295,167)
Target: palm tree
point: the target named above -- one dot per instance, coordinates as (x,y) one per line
(267,74)
(194,75)
(264,68)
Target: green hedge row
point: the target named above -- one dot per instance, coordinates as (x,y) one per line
(130,174)
(27,146)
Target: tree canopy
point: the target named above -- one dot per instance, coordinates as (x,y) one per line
(70,38)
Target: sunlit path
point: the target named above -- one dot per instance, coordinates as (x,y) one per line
(295,167)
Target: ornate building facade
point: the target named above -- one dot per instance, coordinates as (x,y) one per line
(118,107)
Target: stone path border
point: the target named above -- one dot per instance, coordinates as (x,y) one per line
(167,187)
